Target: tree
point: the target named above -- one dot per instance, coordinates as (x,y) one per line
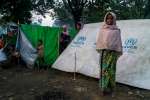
(60,11)
(147,9)
(128,9)
(95,10)
(14,10)
(137,9)
(20,10)
(42,6)
(75,7)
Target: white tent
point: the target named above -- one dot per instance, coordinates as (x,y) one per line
(133,67)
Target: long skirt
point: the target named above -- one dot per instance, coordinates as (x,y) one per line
(108,62)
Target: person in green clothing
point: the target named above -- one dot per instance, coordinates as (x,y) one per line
(109,45)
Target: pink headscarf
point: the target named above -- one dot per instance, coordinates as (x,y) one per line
(109,36)
(65,28)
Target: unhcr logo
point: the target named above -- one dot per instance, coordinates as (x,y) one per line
(130,43)
(80,40)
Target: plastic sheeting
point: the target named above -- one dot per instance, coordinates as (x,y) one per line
(2,56)
(27,51)
(48,35)
(50,38)
(3,30)
(132,67)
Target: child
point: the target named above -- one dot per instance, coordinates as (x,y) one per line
(40,52)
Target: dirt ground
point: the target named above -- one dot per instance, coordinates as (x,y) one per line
(20,83)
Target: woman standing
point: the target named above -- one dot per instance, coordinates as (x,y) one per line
(65,39)
(109,45)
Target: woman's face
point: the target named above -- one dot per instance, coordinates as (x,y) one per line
(109,19)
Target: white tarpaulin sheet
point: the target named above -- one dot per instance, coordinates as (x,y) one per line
(133,67)
(27,51)
(2,56)
(3,30)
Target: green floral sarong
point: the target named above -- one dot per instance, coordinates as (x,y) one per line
(108,62)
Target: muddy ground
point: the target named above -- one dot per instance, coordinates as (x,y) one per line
(21,83)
